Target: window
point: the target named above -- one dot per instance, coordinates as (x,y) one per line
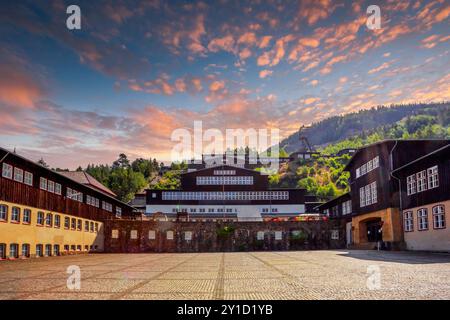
(96,227)
(411,184)
(49,220)
(409,221)
(368,167)
(67,222)
(48,250)
(78,247)
(73,224)
(421,181)
(362,197)
(334,234)
(115,234)
(58,189)
(439,217)
(18,175)
(2,251)
(169,235)
(422,219)
(358,172)
(56,250)
(260,235)
(26,216)
(188,235)
(3,213)
(57,223)
(278,235)
(66,248)
(133,234)
(106,206)
(39,250)
(25,250)
(28,178)
(373,191)
(15,214)
(79,224)
(7,171)
(152,235)
(73,247)
(368,194)
(118,212)
(347,207)
(14,250)
(433,177)
(40,218)
(86,226)
(50,186)
(43,184)
(92,226)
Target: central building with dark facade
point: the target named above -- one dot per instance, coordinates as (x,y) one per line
(226,192)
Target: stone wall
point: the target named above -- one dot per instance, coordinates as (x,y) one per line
(165,236)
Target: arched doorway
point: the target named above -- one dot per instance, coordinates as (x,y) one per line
(371,230)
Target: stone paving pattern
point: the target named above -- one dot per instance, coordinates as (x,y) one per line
(333,274)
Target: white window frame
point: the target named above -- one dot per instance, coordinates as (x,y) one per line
(411,184)
(15,214)
(408,218)
(26,218)
(422,219)
(433,177)
(438,217)
(51,186)
(7,171)
(43,183)
(28,178)
(3,212)
(422,181)
(18,175)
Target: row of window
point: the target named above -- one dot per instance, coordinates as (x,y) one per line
(188,235)
(227,180)
(368,166)
(228,195)
(202,210)
(347,207)
(438,214)
(224,172)
(47,250)
(368,194)
(49,219)
(19,175)
(423,180)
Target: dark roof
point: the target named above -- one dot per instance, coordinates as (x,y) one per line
(386,141)
(86,179)
(57,173)
(347,194)
(435,152)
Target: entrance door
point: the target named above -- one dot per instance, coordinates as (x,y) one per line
(348,233)
(374,233)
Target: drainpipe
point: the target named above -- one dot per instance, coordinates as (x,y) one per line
(399,185)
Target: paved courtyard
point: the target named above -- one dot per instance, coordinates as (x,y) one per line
(251,275)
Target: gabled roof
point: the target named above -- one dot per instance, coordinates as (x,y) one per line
(385,141)
(85,178)
(435,152)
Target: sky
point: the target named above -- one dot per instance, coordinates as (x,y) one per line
(138,70)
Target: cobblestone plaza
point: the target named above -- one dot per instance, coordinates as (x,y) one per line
(338,274)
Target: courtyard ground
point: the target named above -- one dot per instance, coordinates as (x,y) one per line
(336,274)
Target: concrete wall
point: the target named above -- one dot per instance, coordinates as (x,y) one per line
(155,236)
(33,234)
(431,239)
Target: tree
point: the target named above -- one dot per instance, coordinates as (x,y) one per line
(125,183)
(121,162)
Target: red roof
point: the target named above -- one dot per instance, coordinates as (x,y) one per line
(85,178)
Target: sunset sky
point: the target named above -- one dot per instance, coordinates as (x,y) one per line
(138,70)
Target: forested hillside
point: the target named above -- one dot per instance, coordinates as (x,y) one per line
(364,122)
(324,176)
